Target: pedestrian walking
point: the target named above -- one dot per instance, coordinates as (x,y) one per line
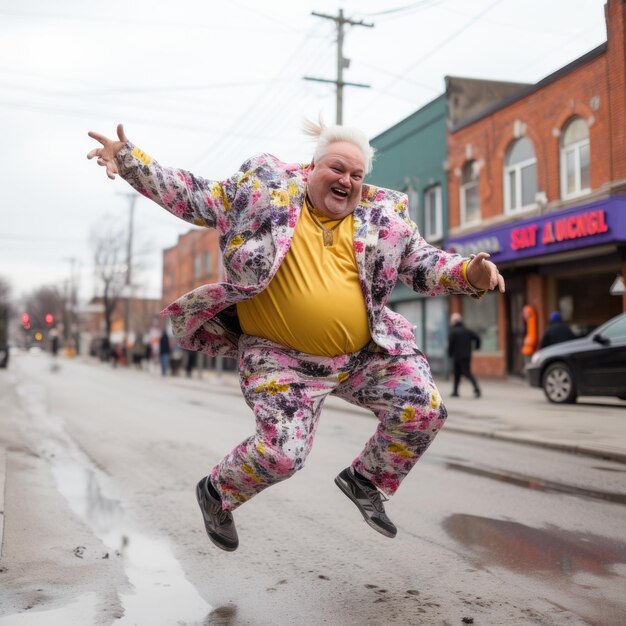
(165,350)
(557,331)
(461,342)
(310,256)
(191,360)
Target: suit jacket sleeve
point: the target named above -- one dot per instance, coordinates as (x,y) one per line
(192,198)
(432,271)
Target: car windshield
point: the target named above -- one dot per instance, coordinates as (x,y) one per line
(615,329)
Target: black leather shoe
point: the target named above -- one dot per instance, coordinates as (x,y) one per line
(219,523)
(368,500)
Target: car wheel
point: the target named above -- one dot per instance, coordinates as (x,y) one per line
(558,384)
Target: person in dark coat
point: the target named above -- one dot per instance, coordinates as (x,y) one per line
(461,342)
(557,331)
(164,352)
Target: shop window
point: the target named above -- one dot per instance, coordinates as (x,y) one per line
(433,211)
(520,176)
(470,206)
(436,335)
(413,311)
(575,159)
(197,265)
(429,317)
(482,317)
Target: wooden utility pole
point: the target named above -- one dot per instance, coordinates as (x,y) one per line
(342,62)
(132,197)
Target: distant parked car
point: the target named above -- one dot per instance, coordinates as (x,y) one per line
(594,365)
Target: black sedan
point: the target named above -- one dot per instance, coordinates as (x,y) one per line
(590,366)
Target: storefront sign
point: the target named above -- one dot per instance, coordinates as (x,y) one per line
(593,224)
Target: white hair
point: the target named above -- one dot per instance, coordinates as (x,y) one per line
(327,135)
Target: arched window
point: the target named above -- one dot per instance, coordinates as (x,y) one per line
(575,159)
(520,176)
(470,204)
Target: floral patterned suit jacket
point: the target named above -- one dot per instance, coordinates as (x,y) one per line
(255,212)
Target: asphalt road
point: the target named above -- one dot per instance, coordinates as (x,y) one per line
(101,524)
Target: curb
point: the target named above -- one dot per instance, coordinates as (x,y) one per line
(598,453)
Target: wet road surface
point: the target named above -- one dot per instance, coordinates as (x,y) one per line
(101,525)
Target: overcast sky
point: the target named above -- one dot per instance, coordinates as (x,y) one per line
(202,85)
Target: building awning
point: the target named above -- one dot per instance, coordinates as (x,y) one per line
(597,223)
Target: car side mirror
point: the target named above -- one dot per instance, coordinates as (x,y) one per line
(604,341)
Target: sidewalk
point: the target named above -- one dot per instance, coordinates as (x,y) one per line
(508,410)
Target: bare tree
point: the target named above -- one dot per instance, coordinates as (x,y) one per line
(43,301)
(109,242)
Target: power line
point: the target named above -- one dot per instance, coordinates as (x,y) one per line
(17,237)
(407,8)
(29,106)
(99,19)
(251,115)
(139,90)
(433,50)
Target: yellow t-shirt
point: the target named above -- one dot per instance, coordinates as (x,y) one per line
(314,303)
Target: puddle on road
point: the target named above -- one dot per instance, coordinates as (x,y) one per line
(538,484)
(530,551)
(162,594)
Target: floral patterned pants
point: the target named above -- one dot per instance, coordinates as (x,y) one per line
(286,390)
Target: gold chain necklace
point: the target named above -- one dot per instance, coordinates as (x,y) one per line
(327,233)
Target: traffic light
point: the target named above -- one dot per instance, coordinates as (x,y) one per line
(49,319)
(26,321)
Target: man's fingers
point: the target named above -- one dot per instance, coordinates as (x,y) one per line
(98,137)
(120,133)
(481,256)
(501,285)
(93,153)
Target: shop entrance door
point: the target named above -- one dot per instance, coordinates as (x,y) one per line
(516,295)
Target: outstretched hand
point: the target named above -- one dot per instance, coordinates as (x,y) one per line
(106,155)
(483,274)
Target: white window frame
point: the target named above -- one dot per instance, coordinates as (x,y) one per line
(414,204)
(516,170)
(574,148)
(463,191)
(433,231)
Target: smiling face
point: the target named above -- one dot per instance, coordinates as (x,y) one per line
(336,180)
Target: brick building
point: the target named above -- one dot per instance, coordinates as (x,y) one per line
(410,157)
(539,181)
(192,262)
(143,313)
